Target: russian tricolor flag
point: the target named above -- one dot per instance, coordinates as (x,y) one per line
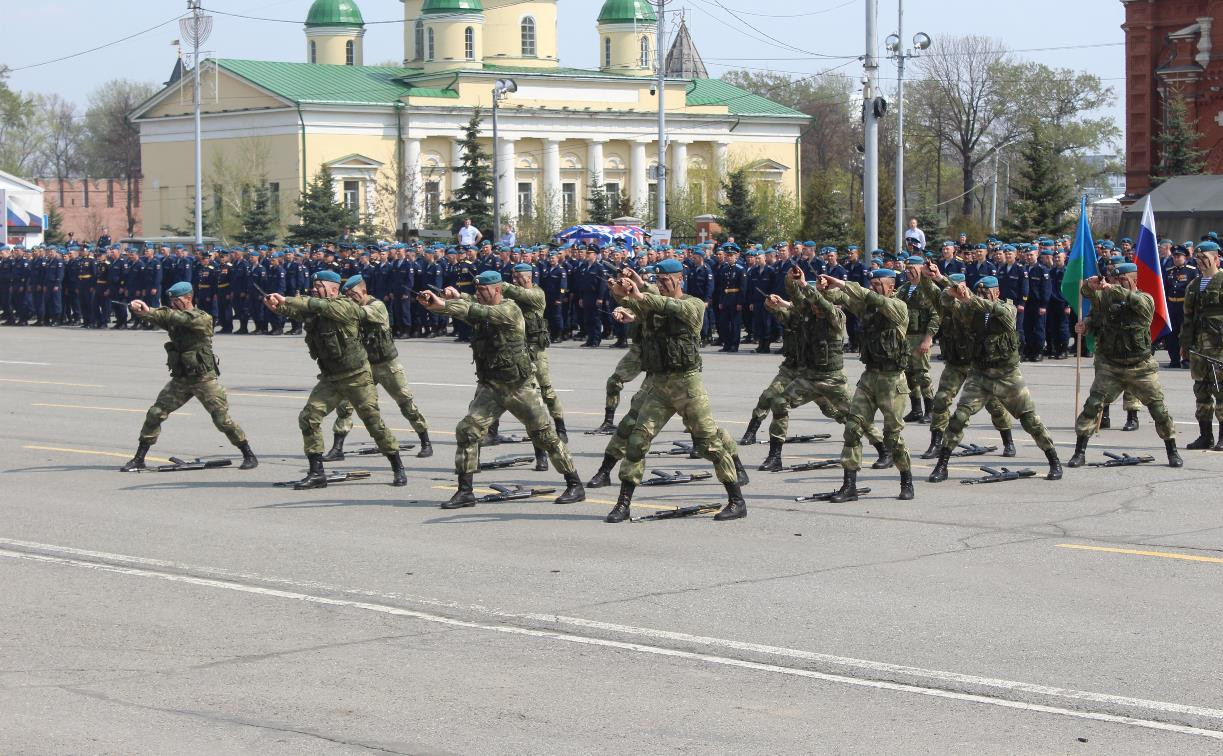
(1150,273)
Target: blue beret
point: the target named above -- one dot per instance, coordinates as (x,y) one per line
(915,260)
(988,282)
(730,247)
(883,273)
(980,246)
(669,265)
(956,278)
(330,276)
(852,248)
(352,283)
(1165,241)
(523,268)
(1011,247)
(1127,268)
(180,289)
(808,244)
(488,278)
(1209,246)
(1108,245)
(948,243)
(1127,239)
(1116,259)
(698,251)
(1045,249)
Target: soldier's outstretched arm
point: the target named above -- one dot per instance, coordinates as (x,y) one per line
(690,311)
(506,313)
(1001,310)
(529,297)
(168,317)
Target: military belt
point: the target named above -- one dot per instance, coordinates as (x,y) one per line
(730,291)
(1176,299)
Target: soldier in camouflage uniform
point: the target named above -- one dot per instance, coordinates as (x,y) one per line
(1202,332)
(882,387)
(627,369)
(1120,321)
(815,335)
(995,371)
(505,381)
(955,341)
(375,329)
(193,373)
(921,296)
(670,323)
(333,335)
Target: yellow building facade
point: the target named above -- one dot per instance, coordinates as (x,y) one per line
(390,135)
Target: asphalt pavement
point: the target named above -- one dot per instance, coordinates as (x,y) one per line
(211,612)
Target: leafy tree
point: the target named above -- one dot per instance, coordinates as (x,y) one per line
(112,141)
(474,198)
(323,218)
(623,206)
(20,140)
(258,221)
(54,232)
(598,205)
(822,216)
(738,216)
(1177,142)
(1043,197)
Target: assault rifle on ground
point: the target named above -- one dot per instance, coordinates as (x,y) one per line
(995,475)
(828,495)
(177,465)
(815,464)
(671,514)
(666,478)
(507,461)
(371,449)
(808,438)
(678,448)
(1122,460)
(332,477)
(509,493)
(972,450)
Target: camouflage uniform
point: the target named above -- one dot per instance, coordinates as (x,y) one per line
(955,344)
(924,320)
(387,372)
(533,304)
(193,373)
(1202,332)
(333,337)
(628,368)
(505,381)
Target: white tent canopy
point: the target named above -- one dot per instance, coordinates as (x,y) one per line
(23,214)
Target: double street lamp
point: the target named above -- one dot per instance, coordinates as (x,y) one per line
(502,88)
(921,42)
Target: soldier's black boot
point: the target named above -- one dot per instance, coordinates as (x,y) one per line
(1174,457)
(927,410)
(772,463)
(1206,436)
(915,412)
(1219,445)
(336,452)
(749,435)
(1008,443)
(462,497)
(740,472)
(906,485)
(561,430)
(608,426)
(1055,465)
(249,460)
(1131,421)
(936,441)
(1079,458)
(939,473)
(493,437)
(620,512)
(848,490)
(316,477)
(137,462)
(736,507)
(541,459)
(602,476)
(426,447)
(573,490)
(1105,421)
(885,457)
(400,477)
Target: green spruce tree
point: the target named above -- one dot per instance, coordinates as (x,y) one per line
(738,219)
(323,218)
(599,208)
(258,222)
(1177,143)
(474,198)
(54,232)
(822,216)
(1044,197)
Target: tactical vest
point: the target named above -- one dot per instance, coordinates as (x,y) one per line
(500,354)
(955,342)
(919,307)
(335,352)
(378,343)
(883,344)
(1207,313)
(537,330)
(791,338)
(819,345)
(1121,337)
(668,345)
(189,352)
(996,346)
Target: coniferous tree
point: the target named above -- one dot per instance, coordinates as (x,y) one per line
(54,232)
(822,216)
(1044,196)
(258,222)
(598,204)
(1177,143)
(474,198)
(323,218)
(738,219)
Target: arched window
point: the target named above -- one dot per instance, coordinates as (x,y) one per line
(469,43)
(528,37)
(429,54)
(645,52)
(313,52)
(607,52)
(418,48)
(350,53)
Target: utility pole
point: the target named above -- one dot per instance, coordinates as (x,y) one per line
(921,41)
(870,153)
(993,210)
(660,58)
(196,29)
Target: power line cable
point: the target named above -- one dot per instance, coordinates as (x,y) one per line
(99,47)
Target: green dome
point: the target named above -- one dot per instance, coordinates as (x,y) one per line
(334,13)
(452,6)
(627,12)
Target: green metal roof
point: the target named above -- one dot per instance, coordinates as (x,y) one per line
(452,6)
(334,13)
(320,83)
(738,101)
(627,12)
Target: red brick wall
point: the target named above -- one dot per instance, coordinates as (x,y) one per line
(89,205)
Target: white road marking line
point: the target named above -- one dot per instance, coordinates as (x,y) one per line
(1004,686)
(472,385)
(21,362)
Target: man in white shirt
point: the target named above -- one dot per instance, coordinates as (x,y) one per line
(913,232)
(469,235)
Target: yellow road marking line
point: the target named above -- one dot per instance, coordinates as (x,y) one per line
(605,502)
(92,407)
(52,383)
(302,397)
(119,455)
(1138,552)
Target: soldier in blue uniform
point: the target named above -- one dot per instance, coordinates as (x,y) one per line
(555,285)
(1177,278)
(6,284)
(71,257)
(948,263)
(1057,324)
(276,283)
(1036,309)
(760,281)
(700,285)
(978,268)
(1013,285)
(206,275)
(296,283)
(224,285)
(729,282)
(150,280)
(116,288)
(38,270)
(590,288)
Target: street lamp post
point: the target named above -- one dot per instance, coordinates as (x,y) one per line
(502,88)
(921,41)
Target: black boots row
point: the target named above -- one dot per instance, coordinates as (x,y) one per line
(336,452)
(735,509)
(1079,458)
(939,474)
(936,443)
(136,463)
(466,497)
(921,410)
(316,476)
(1206,437)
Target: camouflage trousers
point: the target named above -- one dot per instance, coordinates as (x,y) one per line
(628,368)
(178,392)
(917,375)
(829,391)
(358,390)
(617,447)
(390,376)
(776,388)
(1140,381)
(543,377)
(1008,388)
(882,392)
(524,402)
(949,385)
(1208,397)
(661,397)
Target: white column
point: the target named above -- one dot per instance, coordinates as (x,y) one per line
(413,189)
(719,167)
(508,163)
(456,162)
(679,168)
(552,176)
(639,190)
(594,161)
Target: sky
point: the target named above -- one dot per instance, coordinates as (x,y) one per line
(778,35)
